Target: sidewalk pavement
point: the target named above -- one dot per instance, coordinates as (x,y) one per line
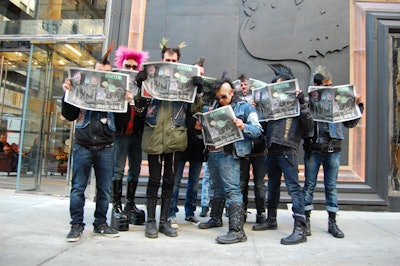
(35,227)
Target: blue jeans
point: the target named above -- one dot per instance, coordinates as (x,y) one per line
(130,146)
(330,163)
(205,187)
(103,164)
(191,191)
(258,164)
(286,163)
(225,176)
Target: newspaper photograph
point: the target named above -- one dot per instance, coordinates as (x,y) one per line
(218,127)
(132,76)
(333,104)
(170,81)
(97,90)
(277,100)
(252,85)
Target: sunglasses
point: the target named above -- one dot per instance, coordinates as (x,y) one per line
(223,97)
(127,66)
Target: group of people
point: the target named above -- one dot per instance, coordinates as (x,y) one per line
(103,140)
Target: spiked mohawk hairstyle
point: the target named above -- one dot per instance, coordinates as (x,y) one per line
(124,53)
(281,72)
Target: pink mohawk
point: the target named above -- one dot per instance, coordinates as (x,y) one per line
(124,53)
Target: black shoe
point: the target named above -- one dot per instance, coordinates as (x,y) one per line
(211,224)
(204,211)
(192,219)
(105,230)
(261,218)
(75,233)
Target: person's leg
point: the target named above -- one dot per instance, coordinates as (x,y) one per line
(312,162)
(289,165)
(331,166)
(191,192)
(205,191)
(175,194)
(244,180)
(80,175)
(153,184)
(103,164)
(259,172)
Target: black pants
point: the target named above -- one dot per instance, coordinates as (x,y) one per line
(155,171)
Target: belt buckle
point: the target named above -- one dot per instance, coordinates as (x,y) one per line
(330,149)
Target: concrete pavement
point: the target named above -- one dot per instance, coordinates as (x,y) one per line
(34,228)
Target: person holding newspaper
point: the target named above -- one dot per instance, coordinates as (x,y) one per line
(282,140)
(257,160)
(194,154)
(128,143)
(165,123)
(224,164)
(94,137)
(322,145)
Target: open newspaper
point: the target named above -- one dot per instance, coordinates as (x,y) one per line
(97,90)
(333,104)
(277,100)
(252,85)
(218,127)
(170,81)
(132,76)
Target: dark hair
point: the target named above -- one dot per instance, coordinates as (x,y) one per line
(200,62)
(283,77)
(218,83)
(242,77)
(170,51)
(318,78)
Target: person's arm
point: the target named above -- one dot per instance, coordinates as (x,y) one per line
(354,122)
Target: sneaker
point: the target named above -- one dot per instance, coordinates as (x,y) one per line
(105,230)
(192,219)
(75,233)
(173,222)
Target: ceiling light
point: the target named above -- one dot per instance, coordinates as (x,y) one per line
(73,50)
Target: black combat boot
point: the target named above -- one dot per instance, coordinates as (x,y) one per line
(236,219)
(308,223)
(165,226)
(333,229)
(136,216)
(119,221)
(151,225)
(215,215)
(269,224)
(299,231)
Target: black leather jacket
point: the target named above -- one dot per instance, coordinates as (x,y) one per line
(288,132)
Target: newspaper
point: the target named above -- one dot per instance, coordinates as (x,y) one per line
(208,91)
(218,127)
(170,81)
(97,90)
(277,100)
(333,104)
(252,85)
(132,76)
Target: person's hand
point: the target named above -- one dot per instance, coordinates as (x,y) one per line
(300,97)
(198,81)
(239,123)
(140,77)
(129,96)
(67,84)
(359,100)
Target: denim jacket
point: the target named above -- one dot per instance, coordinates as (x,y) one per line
(336,129)
(85,115)
(289,131)
(178,116)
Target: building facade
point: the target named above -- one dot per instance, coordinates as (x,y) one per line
(357,40)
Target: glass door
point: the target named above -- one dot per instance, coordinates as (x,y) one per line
(30,106)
